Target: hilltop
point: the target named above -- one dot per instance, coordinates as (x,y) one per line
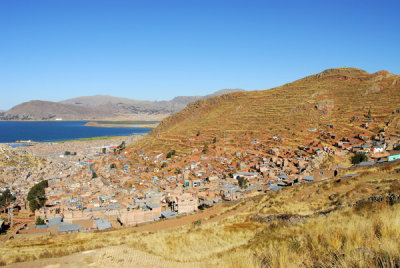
(341,99)
(101,107)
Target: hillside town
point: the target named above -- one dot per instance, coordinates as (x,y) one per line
(104,184)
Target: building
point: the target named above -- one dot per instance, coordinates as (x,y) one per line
(394,155)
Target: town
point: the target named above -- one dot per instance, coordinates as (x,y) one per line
(104,184)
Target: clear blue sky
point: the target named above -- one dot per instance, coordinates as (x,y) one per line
(155,50)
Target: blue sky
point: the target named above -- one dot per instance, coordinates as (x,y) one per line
(155,50)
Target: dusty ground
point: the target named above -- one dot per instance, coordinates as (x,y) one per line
(117,256)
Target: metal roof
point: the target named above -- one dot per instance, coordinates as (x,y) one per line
(308,178)
(103,224)
(350,175)
(275,188)
(366,163)
(54,221)
(68,227)
(168,214)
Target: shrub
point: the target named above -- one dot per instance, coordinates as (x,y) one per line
(163,165)
(197,223)
(39,221)
(358,158)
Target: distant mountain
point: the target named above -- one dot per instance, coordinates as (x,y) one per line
(102,107)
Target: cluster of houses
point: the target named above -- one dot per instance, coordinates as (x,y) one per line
(132,187)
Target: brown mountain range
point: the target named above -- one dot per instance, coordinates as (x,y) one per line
(101,107)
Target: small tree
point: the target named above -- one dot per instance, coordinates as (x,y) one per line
(397,147)
(205,148)
(171,153)
(242,182)
(39,221)
(215,140)
(198,133)
(358,158)
(6,198)
(37,195)
(122,146)
(369,113)
(113,165)
(163,165)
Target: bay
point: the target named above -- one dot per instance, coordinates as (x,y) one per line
(12,131)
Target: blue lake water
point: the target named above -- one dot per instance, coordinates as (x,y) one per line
(59,131)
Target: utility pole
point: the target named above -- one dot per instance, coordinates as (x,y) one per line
(10,216)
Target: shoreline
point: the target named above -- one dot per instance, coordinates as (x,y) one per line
(32,143)
(124,124)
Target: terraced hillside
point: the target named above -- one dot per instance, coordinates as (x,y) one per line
(344,97)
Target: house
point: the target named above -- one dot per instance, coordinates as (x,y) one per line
(146,213)
(196,183)
(186,203)
(394,155)
(380,157)
(246,175)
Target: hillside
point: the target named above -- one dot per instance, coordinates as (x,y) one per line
(341,222)
(344,97)
(47,110)
(101,107)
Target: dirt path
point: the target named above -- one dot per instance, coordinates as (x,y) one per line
(116,256)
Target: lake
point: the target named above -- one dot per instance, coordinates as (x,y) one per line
(11,131)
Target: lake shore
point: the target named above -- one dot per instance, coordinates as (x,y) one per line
(123,124)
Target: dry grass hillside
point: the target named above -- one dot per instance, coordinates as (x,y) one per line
(341,222)
(344,97)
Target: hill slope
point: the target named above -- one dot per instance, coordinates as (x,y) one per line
(344,97)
